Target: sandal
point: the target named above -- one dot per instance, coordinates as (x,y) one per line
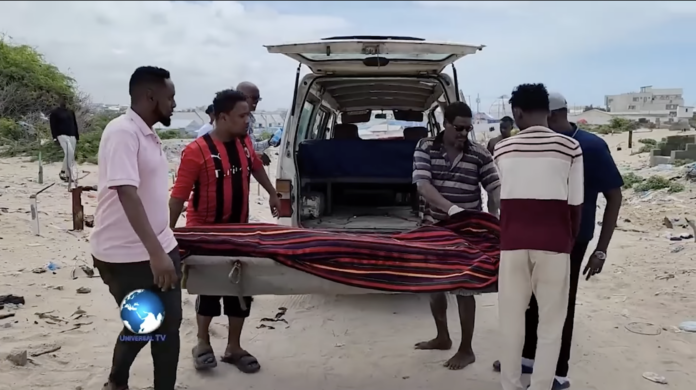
(244,361)
(203,357)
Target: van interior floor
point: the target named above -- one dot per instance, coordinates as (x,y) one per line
(378,219)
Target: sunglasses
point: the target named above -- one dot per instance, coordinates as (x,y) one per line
(255,99)
(459,129)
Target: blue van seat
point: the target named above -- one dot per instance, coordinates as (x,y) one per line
(346,159)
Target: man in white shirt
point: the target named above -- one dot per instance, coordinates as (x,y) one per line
(208,127)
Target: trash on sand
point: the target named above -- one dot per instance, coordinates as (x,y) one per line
(45,349)
(51,266)
(12,299)
(18,357)
(84,290)
(688,326)
(677,249)
(643,328)
(653,377)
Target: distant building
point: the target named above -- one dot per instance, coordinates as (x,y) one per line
(188,126)
(652,104)
(591,117)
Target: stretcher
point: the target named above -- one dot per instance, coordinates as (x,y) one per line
(250,276)
(265,259)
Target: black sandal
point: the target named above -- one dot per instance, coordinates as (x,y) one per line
(244,361)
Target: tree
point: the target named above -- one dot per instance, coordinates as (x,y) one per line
(28,83)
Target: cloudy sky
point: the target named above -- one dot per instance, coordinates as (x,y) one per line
(583,49)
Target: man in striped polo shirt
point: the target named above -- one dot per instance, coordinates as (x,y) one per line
(449,170)
(541,201)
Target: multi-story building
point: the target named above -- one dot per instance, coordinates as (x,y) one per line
(648,103)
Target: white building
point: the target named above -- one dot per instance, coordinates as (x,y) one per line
(653,104)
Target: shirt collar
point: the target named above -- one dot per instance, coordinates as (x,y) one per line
(570,133)
(536,129)
(144,128)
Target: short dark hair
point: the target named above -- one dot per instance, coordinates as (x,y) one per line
(226,100)
(210,109)
(457,109)
(530,98)
(147,75)
(507,119)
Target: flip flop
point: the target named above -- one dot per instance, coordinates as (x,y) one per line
(203,357)
(244,361)
(525,369)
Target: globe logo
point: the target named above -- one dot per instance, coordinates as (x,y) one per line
(142,312)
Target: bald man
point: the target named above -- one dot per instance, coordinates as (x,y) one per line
(251,91)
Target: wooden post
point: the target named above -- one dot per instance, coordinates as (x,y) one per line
(630,139)
(78,211)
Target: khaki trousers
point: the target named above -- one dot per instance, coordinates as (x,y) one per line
(547,275)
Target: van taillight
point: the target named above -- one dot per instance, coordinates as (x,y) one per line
(284,190)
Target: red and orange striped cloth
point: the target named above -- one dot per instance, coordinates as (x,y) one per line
(460,253)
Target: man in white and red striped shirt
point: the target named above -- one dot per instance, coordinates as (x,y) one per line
(541,174)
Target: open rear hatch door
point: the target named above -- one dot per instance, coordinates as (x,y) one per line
(375,55)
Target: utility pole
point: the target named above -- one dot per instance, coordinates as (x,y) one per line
(478,101)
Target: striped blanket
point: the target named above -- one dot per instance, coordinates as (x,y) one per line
(461,253)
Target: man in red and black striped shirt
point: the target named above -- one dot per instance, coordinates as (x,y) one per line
(215,172)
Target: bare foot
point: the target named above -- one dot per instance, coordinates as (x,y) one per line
(440,344)
(460,360)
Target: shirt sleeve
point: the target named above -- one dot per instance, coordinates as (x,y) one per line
(53,123)
(118,150)
(422,172)
(602,173)
(260,146)
(188,173)
(488,173)
(576,192)
(256,162)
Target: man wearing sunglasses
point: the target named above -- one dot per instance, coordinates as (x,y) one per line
(449,170)
(251,91)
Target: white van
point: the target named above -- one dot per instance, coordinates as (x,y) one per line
(328,177)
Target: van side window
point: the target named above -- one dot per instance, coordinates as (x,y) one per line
(319,122)
(305,119)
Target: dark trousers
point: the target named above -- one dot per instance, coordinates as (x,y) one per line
(209,306)
(122,278)
(532,315)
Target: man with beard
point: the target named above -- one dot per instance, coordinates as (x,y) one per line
(449,170)
(132,245)
(505,131)
(541,172)
(215,173)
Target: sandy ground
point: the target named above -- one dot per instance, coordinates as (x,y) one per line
(344,342)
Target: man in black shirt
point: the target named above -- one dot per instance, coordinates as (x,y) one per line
(64,131)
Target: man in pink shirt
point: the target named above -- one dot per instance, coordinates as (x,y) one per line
(132,245)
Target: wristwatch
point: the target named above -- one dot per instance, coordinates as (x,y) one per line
(600,255)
